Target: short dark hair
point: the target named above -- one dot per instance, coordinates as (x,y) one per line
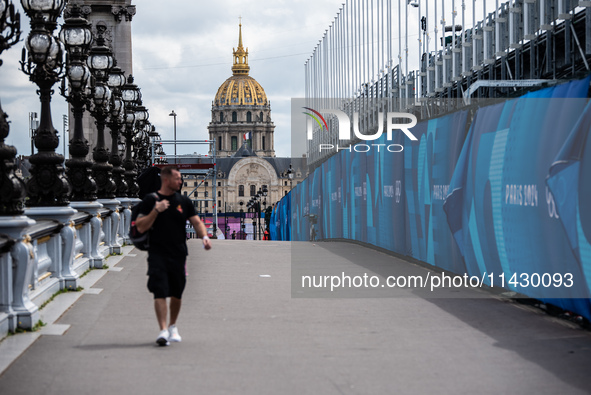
(167,171)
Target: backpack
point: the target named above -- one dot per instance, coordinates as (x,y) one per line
(148,181)
(141,241)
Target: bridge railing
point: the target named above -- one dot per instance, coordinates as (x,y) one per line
(43,256)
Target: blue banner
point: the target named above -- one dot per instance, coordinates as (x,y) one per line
(429,165)
(499,208)
(504,194)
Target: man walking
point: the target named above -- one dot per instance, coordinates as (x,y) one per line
(165,218)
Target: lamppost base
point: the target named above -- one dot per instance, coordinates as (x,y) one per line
(47,187)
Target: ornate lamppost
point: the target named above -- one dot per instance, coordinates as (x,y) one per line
(263,201)
(255,203)
(12,188)
(47,189)
(116,121)
(42,62)
(100,61)
(141,117)
(77,36)
(242,222)
(110,175)
(159,154)
(142,147)
(134,113)
(131,96)
(153,137)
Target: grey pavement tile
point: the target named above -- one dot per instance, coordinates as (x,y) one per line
(247,334)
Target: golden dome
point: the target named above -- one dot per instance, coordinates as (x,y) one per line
(240,89)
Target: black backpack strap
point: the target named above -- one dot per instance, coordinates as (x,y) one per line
(156,198)
(145,201)
(153,195)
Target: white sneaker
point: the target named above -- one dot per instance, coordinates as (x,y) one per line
(162,339)
(174,334)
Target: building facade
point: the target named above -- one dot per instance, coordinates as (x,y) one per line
(239,178)
(243,132)
(241,111)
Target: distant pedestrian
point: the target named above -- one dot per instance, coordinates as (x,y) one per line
(234,235)
(165,219)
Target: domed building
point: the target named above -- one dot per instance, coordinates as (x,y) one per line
(245,160)
(241,111)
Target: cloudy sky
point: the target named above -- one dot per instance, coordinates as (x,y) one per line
(182,53)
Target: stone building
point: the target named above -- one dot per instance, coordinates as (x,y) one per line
(239,178)
(242,128)
(241,111)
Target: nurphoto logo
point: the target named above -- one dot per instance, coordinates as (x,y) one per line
(344,125)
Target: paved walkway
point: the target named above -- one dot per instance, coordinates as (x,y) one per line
(244,333)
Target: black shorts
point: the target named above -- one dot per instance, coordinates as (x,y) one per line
(166,276)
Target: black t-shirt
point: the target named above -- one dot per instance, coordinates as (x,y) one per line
(168,235)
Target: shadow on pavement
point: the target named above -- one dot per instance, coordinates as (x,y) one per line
(560,349)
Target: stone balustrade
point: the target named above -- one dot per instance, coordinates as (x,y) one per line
(48,249)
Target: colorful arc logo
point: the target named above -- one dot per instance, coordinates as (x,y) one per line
(315,118)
